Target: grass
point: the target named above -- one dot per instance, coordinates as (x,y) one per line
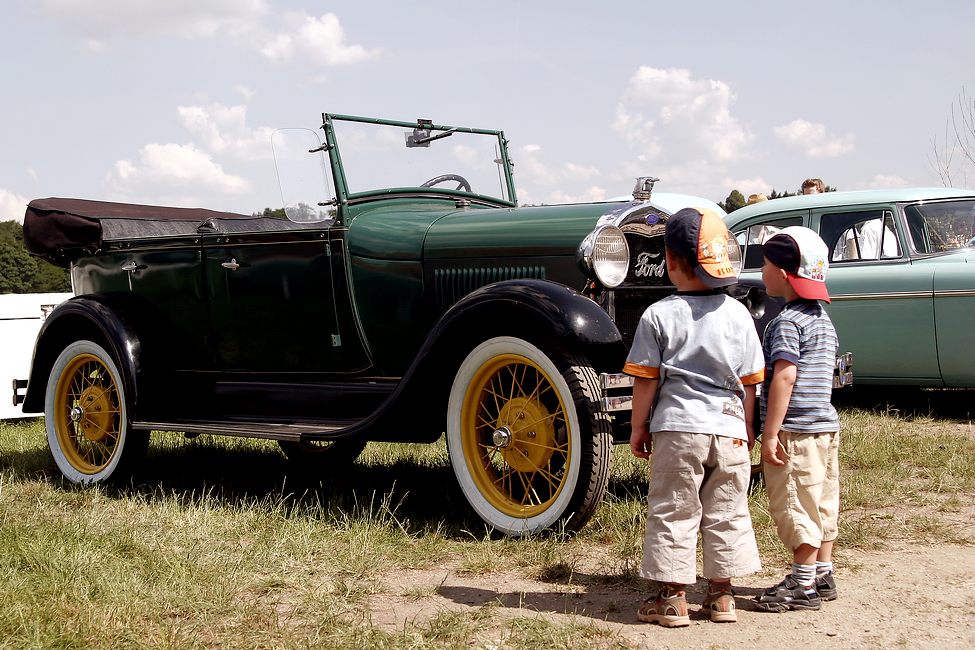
(217,543)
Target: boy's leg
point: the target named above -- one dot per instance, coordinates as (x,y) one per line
(727,537)
(795,491)
(829,506)
(673,519)
(673,507)
(728,540)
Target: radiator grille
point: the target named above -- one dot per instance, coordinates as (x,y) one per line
(646,282)
(453,284)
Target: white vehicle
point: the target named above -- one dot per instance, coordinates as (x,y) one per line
(21,316)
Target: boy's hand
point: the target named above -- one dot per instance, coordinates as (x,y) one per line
(751,436)
(640,442)
(770,449)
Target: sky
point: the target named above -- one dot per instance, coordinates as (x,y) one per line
(173,102)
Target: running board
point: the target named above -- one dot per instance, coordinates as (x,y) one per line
(263,430)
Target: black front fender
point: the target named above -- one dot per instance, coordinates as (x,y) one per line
(91,317)
(540,310)
(548,314)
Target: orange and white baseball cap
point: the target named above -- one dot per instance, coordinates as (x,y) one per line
(700,236)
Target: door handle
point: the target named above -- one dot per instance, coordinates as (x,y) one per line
(132,266)
(232,265)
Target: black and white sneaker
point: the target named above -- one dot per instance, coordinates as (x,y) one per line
(826,586)
(786,595)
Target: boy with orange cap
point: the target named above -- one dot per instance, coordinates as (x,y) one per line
(696,360)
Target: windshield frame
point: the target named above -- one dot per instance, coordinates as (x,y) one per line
(344,197)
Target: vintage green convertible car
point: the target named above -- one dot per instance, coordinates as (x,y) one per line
(396,309)
(901,286)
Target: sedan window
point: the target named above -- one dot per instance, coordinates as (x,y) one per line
(752,238)
(872,239)
(863,235)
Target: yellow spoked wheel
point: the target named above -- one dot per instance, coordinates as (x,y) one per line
(86,417)
(515,435)
(527,441)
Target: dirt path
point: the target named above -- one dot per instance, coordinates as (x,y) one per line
(911,597)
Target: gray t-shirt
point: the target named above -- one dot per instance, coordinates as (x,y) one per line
(703,348)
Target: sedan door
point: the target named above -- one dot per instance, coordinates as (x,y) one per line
(882,304)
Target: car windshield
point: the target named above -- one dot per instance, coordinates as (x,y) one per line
(938,227)
(378,156)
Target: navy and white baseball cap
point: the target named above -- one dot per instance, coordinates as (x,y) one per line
(803,255)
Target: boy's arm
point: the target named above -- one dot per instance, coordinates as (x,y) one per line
(644,390)
(779,394)
(749,404)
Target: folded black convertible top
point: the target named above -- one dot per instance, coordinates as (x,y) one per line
(58,229)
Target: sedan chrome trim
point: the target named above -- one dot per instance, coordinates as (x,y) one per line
(954,293)
(882,296)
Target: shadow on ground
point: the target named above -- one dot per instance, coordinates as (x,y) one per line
(954,404)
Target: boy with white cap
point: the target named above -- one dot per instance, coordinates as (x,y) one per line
(696,359)
(800,436)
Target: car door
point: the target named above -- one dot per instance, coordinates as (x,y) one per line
(274,307)
(882,304)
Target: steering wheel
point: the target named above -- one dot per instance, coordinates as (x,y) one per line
(460,180)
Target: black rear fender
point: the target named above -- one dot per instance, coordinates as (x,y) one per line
(94,318)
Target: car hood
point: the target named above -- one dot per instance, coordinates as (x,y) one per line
(410,230)
(508,232)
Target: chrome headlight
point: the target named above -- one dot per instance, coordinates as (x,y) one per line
(606,254)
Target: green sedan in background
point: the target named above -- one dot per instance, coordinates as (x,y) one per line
(901,276)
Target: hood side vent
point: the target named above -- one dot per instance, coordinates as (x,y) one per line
(454,283)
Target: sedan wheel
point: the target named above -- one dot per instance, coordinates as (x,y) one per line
(527,445)
(86,416)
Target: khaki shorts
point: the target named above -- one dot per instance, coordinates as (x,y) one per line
(804,494)
(698,482)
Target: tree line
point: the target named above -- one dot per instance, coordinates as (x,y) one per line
(20,272)
(737,200)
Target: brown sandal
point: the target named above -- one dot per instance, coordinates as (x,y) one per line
(720,603)
(668,609)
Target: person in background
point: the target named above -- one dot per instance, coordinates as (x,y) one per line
(813,186)
(756,198)
(696,360)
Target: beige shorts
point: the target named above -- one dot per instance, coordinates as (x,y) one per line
(804,494)
(698,482)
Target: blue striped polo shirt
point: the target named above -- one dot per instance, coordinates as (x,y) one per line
(803,334)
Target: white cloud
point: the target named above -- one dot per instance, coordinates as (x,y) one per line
(12,206)
(223,130)
(812,139)
(754,185)
(245,91)
(882,180)
(589,195)
(320,41)
(99,23)
(531,169)
(670,116)
(171,169)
